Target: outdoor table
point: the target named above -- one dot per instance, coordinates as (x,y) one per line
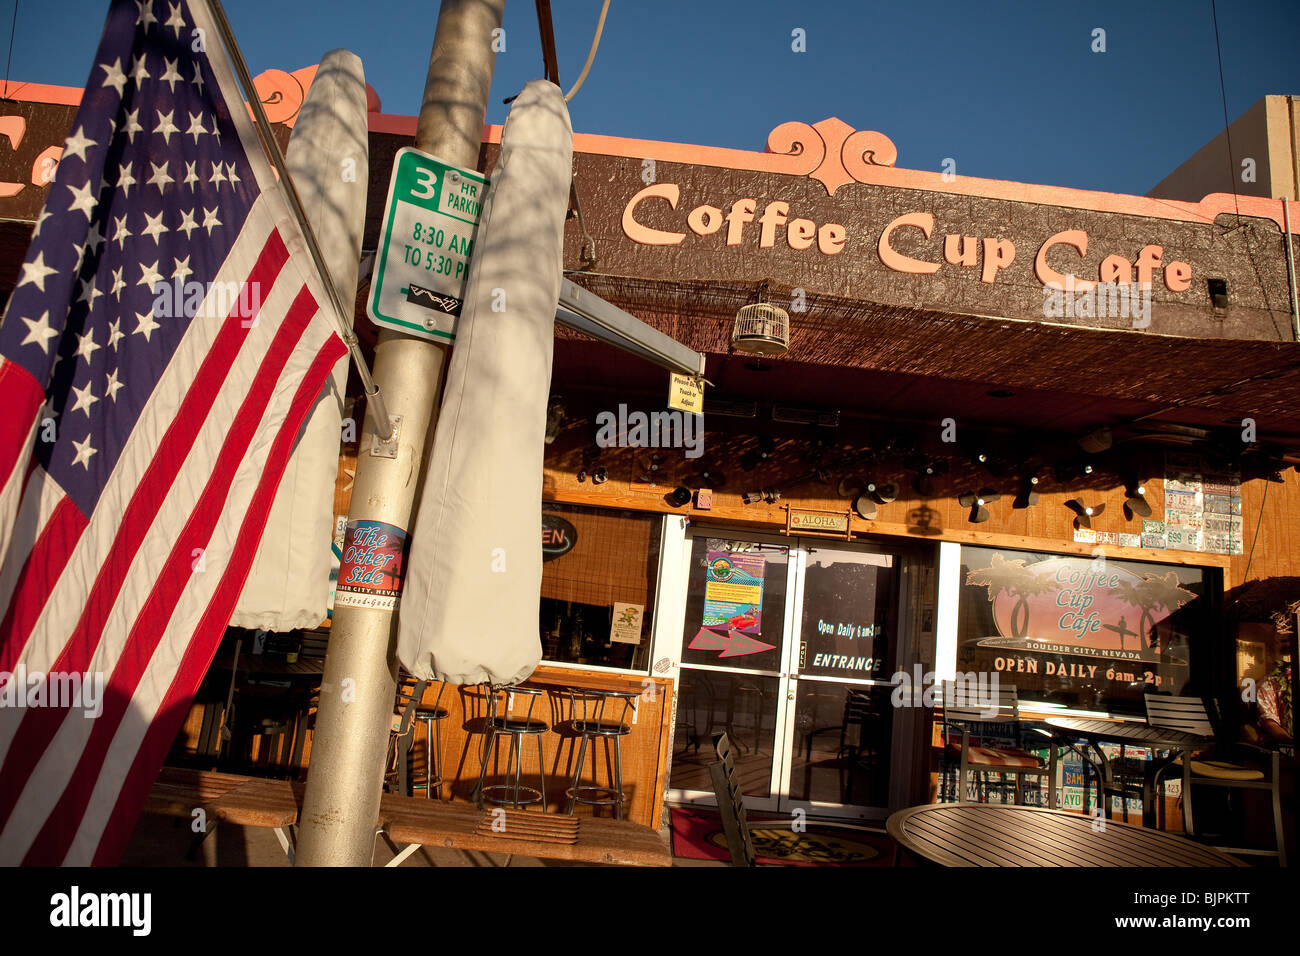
(1140,735)
(415,821)
(980,834)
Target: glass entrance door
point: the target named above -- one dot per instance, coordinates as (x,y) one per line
(838,690)
(733,654)
(788,645)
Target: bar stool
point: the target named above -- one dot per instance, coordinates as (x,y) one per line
(591,714)
(432,718)
(400,731)
(503,722)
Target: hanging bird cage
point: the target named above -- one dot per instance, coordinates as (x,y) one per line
(761,329)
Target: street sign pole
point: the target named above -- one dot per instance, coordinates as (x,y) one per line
(344,782)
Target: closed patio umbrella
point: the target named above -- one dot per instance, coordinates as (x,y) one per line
(469,610)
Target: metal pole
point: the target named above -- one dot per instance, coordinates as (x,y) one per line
(344,780)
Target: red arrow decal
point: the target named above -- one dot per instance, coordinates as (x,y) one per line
(732,644)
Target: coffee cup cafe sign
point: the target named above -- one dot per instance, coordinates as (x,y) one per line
(1076,617)
(740,223)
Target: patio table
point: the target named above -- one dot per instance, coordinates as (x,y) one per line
(1133,734)
(980,834)
(416,821)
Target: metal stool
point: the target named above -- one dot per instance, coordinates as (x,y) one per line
(432,718)
(502,722)
(588,715)
(397,778)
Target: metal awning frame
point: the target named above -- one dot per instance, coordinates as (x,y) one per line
(588,313)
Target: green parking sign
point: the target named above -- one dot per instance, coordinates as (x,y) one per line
(425,244)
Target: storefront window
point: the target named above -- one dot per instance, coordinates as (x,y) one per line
(1083,633)
(1264,674)
(598,578)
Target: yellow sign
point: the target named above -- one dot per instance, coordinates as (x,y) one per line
(686,393)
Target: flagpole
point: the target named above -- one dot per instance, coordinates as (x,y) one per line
(374,400)
(358,690)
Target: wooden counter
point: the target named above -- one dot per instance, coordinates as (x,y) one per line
(645,749)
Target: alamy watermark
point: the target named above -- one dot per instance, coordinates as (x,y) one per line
(75,908)
(971,689)
(176,299)
(624,429)
(1087,299)
(62,691)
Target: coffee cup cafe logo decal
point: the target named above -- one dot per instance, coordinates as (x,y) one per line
(837,155)
(1084,608)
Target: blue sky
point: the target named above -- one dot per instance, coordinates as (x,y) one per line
(1008,90)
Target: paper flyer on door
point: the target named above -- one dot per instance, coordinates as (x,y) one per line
(733,591)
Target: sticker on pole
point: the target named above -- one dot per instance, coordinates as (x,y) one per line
(425,244)
(370,574)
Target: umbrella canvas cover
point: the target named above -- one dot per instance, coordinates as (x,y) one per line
(469,609)
(288,586)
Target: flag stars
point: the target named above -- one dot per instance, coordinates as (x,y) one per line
(188,224)
(39,332)
(86,345)
(115,77)
(83,199)
(145,15)
(120,232)
(231,175)
(84,451)
(197,128)
(125,179)
(89,293)
(35,272)
(144,324)
(118,284)
(40,221)
(191,177)
(182,270)
(85,398)
(94,238)
(175,20)
(165,127)
(132,125)
(76,145)
(138,72)
(159,177)
(218,176)
(112,385)
(150,276)
(170,76)
(115,333)
(153,227)
(197,78)
(210,220)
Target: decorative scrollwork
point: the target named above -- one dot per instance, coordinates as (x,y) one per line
(833,152)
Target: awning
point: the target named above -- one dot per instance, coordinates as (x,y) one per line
(1058,373)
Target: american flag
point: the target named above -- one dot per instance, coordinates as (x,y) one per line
(143,432)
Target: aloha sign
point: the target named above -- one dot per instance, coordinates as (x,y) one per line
(1088,608)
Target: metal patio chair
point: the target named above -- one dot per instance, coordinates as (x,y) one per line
(1261,770)
(731,804)
(990,726)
